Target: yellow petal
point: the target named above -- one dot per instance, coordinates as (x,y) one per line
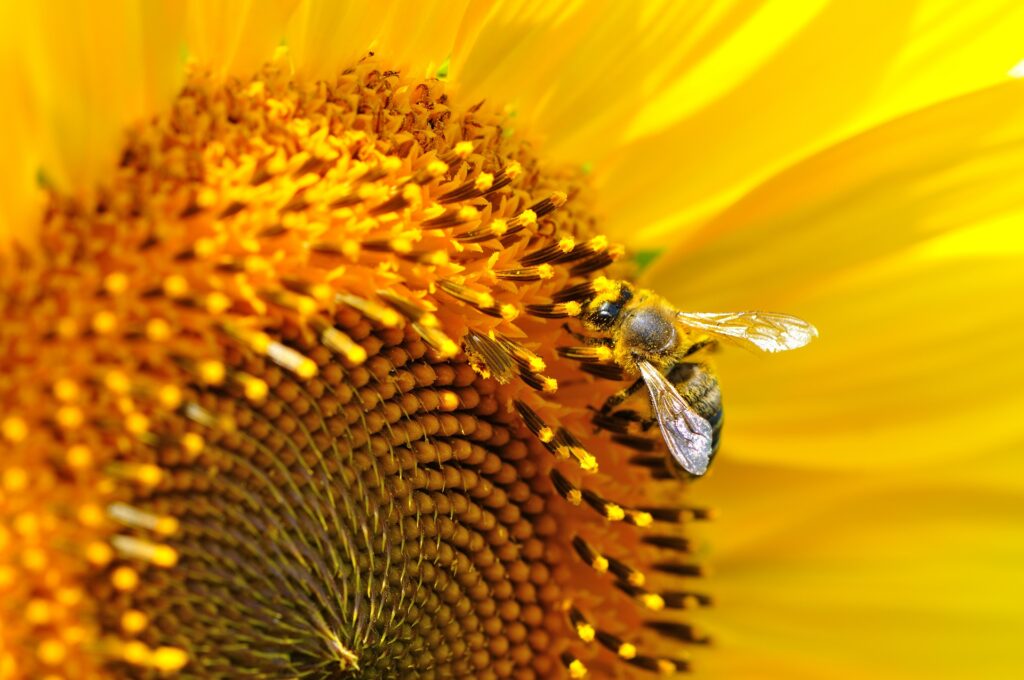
(918,359)
(235,37)
(848,68)
(326,36)
(905,577)
(83,71)
(955,164)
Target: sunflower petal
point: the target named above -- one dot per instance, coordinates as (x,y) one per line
(824,84)
(904,577)
(325,37)
(918,359)
(932,172)
(68,111)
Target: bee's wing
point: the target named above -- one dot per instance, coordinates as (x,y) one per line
(687,434)
(767,331)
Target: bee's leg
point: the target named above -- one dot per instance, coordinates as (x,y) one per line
(586,339)
(579,337)
(698,346)
(621,396)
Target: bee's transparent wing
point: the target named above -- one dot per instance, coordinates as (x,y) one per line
(687,434)
(767,331)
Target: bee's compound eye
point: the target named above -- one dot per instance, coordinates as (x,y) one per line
(607,312)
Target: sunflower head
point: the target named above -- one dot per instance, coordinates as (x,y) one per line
(297,396)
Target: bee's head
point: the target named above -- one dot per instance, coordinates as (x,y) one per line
(649,330)
(604,314)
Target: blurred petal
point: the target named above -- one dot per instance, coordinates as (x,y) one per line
(236,36)
(918,355)
(918,359)
(955,164)
(852,66)
(325,37)
(68,111)
(866,576)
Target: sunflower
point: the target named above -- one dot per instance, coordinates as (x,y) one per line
(290,383)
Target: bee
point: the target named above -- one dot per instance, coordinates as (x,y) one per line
(651,340)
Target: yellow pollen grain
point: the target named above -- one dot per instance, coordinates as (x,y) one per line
(14,429)
(158,330)
(135,652)
(15,479)
(573,308)
(217,303)
(52,651)
(133,621)
(588,463)
(600,564)
(175,286)
(38,612)
(117,382)
(125,579)
(168,659)
(169,396)
(627,650)
(66,389)
(104,322)
(546,434)
(527,217)
(484,181)
(115,283)
(614,512)
(666,667)
(468,212)
(513,169)
(69,417)
(549,385)
(642,519)
(70,596)
(603,285)
(7,576)
(90,515)
(255,389)
(192,443)
(212,372)
(545,271)
(586,632)
(509,312)
(136,423)
(99,553)
(167,525)
(577,669)
(205,247)
(79,456)
(574,497)
(437,168)
(652,601)
(163,556)
(637,579)
(499,227)
(463,149)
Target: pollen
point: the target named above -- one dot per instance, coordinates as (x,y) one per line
(307,395)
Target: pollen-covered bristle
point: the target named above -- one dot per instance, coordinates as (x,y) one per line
(295,398)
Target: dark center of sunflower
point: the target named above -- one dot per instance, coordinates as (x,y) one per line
(287,403)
